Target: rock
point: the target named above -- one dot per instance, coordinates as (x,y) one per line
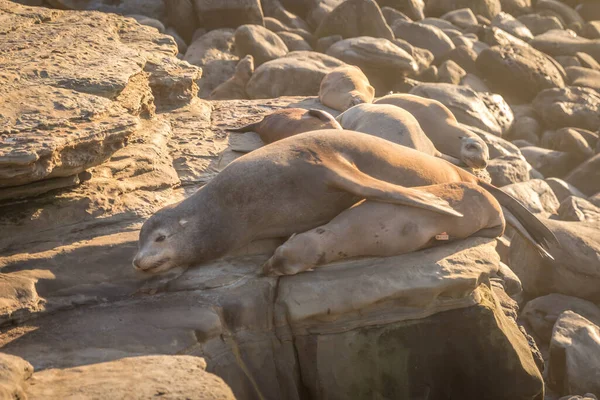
(259,42)
(586,77)
(568,61)
(182,17)
(526,128)
(228,13)
(573,366)
(513,26)
(235,87)
(463,18)
(568,140)
(591,30)
(382,61)
(518,72)
(15,372)
(298,73)
(563,43)
(181,44)
(467,106)
(551,162)
(173,377)
(274,9)
(587,396)
(539,24)
(294,42)
(487,8)
(391,15)
(586,177)
(542,312)
(567,14)
(18,296)
(324,43)
(575,270)
(516,7)
(451,72)
(144,20)
(424,36)
(589,10)
(563,189)
(354,18)
(587,61)
(536,196)
(443,24)
(465,57)
(413,9)
(578,209)
(498,147)
(506,170)
(510,281)
(214,53)
(150,8)
(569,107)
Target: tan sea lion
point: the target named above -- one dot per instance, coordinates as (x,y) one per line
(235,87)
(297,184)
(288,122)
(373,229)
(345,87)
(440,125)
(388,122)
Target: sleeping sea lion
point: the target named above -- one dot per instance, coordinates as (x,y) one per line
(297,184)
(344,87)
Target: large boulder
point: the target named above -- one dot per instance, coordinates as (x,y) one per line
(182,17)
(15,372)
(482,111)
(571,17)
(563,43)
(424,36)
(575,106)
(382,61)
(487,8)
(513,26)
(173,377)
(574,362)
(299,73)
(259,42)
(516,7)
(354,18)
(575,208)
(413,9)
(539,24)
(150,8)
(586,177)
(585,77)
(551,162)
(228,13)
(536,195)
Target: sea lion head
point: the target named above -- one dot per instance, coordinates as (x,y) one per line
(165,242)
(474,152)
(292,257)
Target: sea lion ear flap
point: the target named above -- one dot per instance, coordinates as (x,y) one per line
(183,222)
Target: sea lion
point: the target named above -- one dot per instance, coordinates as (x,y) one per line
(345,87)
(387,122)
(440,125)
(373,229)
(235,87)
(297,184)
(288,122)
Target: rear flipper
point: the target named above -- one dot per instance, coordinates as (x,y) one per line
(244,129)
(514,222)
(325,117)
(347,177)
(450,159)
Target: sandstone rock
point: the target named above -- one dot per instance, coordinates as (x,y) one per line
(551,162)
(274,9)
(182,17)
(526,128)
(228,13)
(487,8)
(542,312)
(591,30)
(578,209)
(586,177)
(324,43)
(15,371)
(354,18)
(382,61)
(235,87)
(424,36)
(391,15)
(181,44)
(497,146)
(469,107)
(563,43)
(294,42)
(568,140)
(573,366)
(536,196)
(413,9)
(443,24)
(451,72)
(589,10)
(516,7)
(513,26)
(586,77)
(563,189)
(259,42)
(506,170)
(173,377)
(145,20)
(570,16)
(465,57)
(539,24)
(214,52)
(510,281)
(463,18)
(575,270)
(151,8)
(298,73)
(569,107)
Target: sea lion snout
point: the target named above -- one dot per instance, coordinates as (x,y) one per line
(474,154)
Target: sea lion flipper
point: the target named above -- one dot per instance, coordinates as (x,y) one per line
(324,116)
(349,178)
(245,128)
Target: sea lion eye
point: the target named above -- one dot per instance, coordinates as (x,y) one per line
(161,238)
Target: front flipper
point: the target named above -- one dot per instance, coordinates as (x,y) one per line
(347,177)
(450,159)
